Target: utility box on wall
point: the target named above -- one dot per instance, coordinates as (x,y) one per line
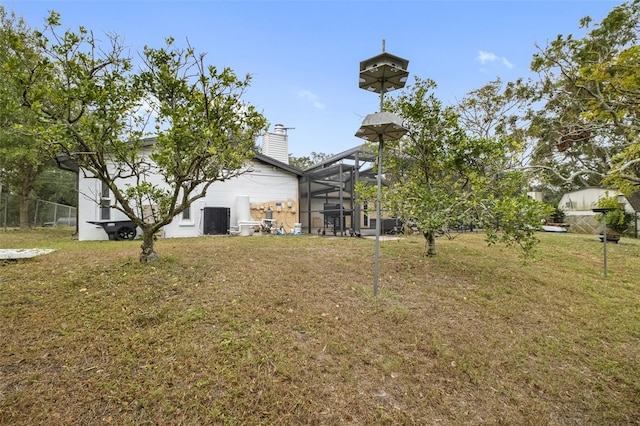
(216,220)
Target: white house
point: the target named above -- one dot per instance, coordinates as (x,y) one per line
(268,190)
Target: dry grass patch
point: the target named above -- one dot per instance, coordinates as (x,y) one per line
(284,330)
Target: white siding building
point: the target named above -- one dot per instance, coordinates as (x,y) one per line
(581,201)
(268,184)
(577,207)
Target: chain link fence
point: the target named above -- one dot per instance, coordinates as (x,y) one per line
(40,212)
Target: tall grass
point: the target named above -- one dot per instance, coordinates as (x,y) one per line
(285,330)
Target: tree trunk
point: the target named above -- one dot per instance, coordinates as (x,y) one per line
(430,237)
(28,181)
(23,205)
(148,254)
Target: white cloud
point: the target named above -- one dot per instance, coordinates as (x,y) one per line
(506,62)
(485,57)
(311,97)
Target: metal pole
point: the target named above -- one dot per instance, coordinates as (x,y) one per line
(376,261)
(604,240)
(341,196)
(309,204)
(378,218)
(355,216)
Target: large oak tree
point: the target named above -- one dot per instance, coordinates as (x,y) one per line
(589,92)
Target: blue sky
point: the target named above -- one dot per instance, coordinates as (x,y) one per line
(304,55)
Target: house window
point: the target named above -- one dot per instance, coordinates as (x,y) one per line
(185,217)
(105,203)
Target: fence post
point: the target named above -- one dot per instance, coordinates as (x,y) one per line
(35,216)
(6,207)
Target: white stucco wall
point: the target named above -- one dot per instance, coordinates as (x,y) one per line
(90,191)
(263,183)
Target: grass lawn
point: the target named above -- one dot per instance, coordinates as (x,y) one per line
(285,330)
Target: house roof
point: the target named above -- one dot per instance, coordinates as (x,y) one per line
(362,152)
(67,163)
(634,200)
(587,188)
(259,156)
(273,162)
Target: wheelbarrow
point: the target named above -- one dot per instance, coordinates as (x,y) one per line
(119,230)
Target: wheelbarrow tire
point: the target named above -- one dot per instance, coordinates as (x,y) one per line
(125,233)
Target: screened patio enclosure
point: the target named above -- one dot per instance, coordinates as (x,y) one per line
(327,203)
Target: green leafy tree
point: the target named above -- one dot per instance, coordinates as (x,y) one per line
(305,162)
(24,155)
(439,176)
(589,89)
(99,112)
(57,185)
(618,219)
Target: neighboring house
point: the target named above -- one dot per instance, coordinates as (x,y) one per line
(577,207)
